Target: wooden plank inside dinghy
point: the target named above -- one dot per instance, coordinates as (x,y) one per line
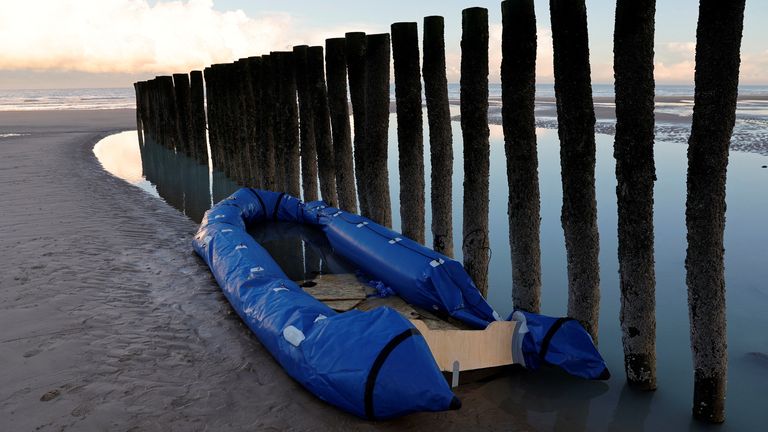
(335,287)
(449,340)
(473,349)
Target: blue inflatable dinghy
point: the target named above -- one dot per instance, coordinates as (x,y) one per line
(374,364)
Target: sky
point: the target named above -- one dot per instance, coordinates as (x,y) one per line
(112,43)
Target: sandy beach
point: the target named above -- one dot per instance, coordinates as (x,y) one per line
(108,321)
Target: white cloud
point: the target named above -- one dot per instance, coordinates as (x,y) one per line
(544,68)
(129,36)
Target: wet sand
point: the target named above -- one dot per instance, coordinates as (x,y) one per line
(673,119)
(108,321)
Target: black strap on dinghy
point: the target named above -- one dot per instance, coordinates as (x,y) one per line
(550,334)
(370,383)
(277,206)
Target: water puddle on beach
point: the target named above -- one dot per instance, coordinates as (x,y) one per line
(549,400)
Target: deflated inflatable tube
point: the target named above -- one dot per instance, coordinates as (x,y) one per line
(561,342)
(372,364)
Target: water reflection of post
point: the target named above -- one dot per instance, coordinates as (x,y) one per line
(377,62)
(631,410)
(440,135)
(336,72)
(518,92)
(475,131)
(354,46)
(318,94)
(308,146)
(718,44)
(635,175)
(410,136)
(197,110)
(576,129)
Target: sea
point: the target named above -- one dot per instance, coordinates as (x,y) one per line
(116,98)
(674,108)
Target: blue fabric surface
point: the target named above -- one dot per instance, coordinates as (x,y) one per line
(330,354)
(570,347)
(373,364)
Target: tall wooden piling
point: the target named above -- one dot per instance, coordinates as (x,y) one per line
(169,134)
(210,114)
(183,104)
(308,146)
(288,119)
(336,74)
(267,121)
(318,95)
(518,91)
(440,134)
(576,129)
(718,42)
(475,131)
(410,135)
(233,128)
(241,108)
(139,108)
(277,121)
(255,125)
(197,109)
(250,126)
(635,175)
(377,63)
(355,47)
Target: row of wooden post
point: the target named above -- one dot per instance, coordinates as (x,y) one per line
(281,121)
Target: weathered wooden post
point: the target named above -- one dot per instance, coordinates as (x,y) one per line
(197,108)
(377,62)
(288,113)
(410,135)
(355,52)
(154,92)
(211,101)
(318,95)
(169,113)
(518,91)
(224,126)
(576,129)
(635,174)
(256,125)
(308,147)
(477,153)
(336,71)
(229,109)
(440,135)
(266,83)
(718,44)
(250,123)
(182,96)
(139,108)
(240,101)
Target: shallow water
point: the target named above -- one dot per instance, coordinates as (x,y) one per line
(549,399)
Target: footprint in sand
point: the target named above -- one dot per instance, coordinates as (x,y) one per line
(32,353)
(53,394)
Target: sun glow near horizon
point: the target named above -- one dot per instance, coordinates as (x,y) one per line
(111,39)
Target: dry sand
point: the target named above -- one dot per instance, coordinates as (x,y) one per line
(108,321)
